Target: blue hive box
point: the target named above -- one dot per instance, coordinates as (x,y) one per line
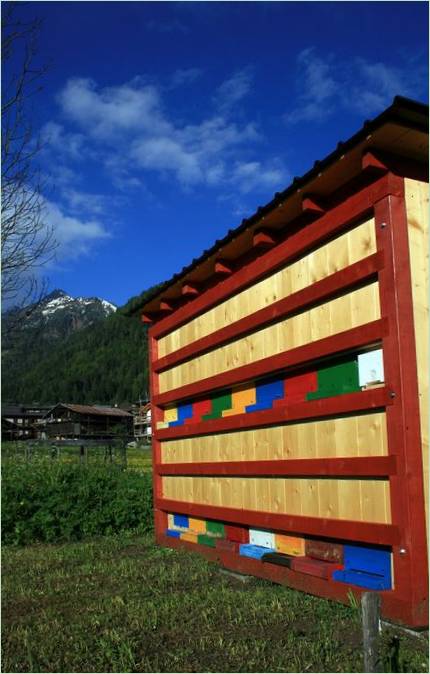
(181,521)
(265,393)
(173,533)
(366,567)
(184,412)
(254,551)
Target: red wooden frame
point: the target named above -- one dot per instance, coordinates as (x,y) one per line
(408,601)
(368,532)
(403,417)
(312,409)
(363,466)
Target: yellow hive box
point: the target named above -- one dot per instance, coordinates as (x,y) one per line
(171,414)
(290,545)
(197,526)
(239,400)
(191,538)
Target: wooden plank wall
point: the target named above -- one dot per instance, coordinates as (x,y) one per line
(348,311)
(358,500)
(417,207)
(343,251)
(347,436)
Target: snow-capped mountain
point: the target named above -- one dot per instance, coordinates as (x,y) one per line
(56,317)
(58,300)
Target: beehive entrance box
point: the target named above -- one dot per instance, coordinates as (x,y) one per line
(268,421)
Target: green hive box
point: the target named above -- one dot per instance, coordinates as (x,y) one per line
(335,380)
(215,529)
(204,539)
(220,403)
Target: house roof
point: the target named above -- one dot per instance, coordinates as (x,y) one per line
(101,410)
(401,129)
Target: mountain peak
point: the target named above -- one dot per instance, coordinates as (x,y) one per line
(55,295)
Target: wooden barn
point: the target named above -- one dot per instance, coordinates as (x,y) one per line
(88,422)
(289,380)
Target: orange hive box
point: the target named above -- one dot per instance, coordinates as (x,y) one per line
(290,545)
(239,400)
(197,526)
(190,537)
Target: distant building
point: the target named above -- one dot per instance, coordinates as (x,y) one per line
(22,422)
(95,422)
(142,423)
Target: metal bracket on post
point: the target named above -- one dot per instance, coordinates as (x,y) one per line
(370,612)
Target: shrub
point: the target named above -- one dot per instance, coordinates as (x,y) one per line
(49,502)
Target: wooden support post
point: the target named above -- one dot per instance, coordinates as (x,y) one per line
(370,608)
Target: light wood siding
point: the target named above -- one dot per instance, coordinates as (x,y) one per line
(348,311)
(357,500)
(347,436)
(417,205)
(339,253)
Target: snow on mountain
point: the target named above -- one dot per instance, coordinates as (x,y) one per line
(59,300)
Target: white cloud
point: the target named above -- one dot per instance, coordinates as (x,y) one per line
(85,201)
(326,85)
(107,112)
(233,90)
(254,175)
(131,120)
(74,236)
(55,137)
(131,130)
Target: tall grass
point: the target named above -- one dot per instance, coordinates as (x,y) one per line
(49,502)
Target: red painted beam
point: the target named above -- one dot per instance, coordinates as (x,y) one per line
(333,222)
(321,290)
(147,318)
(364,466)
(349,530)
(312,409)
(348,340)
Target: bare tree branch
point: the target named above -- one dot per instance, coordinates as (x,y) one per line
(27,242)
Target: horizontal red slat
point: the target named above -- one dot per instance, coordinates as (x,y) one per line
(330,223)
(312,409)
(342,341)
(321,290)
(363,466)
(367,532)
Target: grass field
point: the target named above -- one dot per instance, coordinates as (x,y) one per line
(121,604)
(138,458)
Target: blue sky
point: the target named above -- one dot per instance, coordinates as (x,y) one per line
(164,124)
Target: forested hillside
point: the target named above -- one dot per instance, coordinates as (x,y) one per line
(104,363)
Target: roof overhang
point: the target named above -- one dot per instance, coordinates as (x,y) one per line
(396,140)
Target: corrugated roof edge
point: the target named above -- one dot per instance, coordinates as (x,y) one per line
(399,105)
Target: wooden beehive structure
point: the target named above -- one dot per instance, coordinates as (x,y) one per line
(289,369)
